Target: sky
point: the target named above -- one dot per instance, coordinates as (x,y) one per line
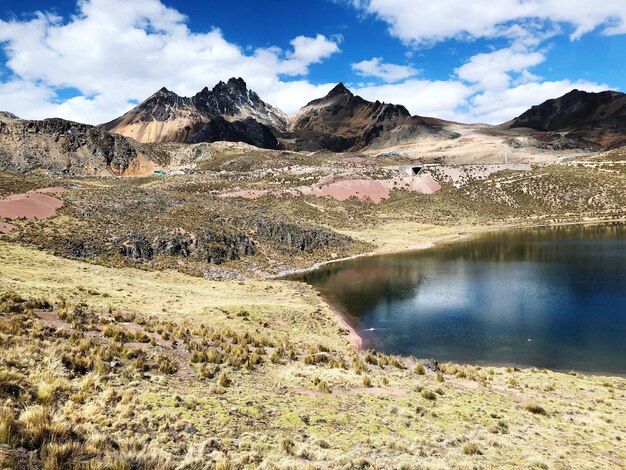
(468,61)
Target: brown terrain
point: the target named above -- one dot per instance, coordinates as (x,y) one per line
(168,132)
(145,323)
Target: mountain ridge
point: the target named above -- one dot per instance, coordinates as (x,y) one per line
(597,119)
(167,117)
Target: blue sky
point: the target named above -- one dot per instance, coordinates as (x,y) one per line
(485,61)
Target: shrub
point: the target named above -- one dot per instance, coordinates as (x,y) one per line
(419,369)
(471,448)
(536,409)
(223,380)
(440,377)
(9,427)
(367,381)
(38,427)
(428,395)
(359,366)
(12,383)
(166,364)
(57,456)
(288,446)
(224,464)
(323,387)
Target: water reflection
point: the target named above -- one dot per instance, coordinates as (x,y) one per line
(549,297)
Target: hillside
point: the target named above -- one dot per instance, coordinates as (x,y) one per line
(120,371)
(58,146)
(594,119)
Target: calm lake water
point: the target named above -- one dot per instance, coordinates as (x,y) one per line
(551,298)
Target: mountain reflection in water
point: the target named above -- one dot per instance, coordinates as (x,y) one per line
(551,297)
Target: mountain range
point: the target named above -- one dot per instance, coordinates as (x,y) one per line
(338,122)
(342,121)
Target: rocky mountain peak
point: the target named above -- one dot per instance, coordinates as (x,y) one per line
(339,89)
(168,117)
(234,86)
(238,83)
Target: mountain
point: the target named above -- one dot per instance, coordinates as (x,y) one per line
(341,121)
(234,102)
(593,119)
(225,112)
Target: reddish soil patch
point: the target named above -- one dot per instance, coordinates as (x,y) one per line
(346,186)
(362,189)
(51,318)
(32,205)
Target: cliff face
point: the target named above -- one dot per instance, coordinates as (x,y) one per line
(341,121)
(248,131)
(227,112)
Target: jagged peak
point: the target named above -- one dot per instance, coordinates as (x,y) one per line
(339,89)
(237,84)
(163,93)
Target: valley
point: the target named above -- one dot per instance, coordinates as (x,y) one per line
(145,321)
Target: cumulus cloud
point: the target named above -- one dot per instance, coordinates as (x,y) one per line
(493,86)
(493,70)
(114,52)
(96,64)
(308,51)
(424,97)
(422,22)
(500,106)
(387,72)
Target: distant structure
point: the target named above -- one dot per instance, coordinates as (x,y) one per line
(413,170)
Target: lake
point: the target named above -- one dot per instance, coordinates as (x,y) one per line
(550,298)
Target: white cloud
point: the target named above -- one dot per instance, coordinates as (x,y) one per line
(424,97)
(493,86)
(500,106)
(422,22)
(308,51)
(492,70)
(116,51)
(387,72)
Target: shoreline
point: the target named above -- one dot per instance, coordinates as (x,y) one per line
(438,243)
(357,341)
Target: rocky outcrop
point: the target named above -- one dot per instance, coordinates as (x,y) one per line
(137,247)
(205,246)
(578,119)
(341,121)
(220,247)
(301,238)
(228,112)
(7,116)
(248,131)
(61,146)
